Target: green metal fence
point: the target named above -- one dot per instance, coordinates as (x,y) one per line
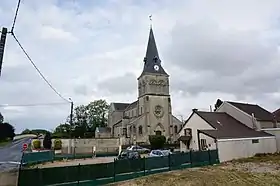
(37,157)
(119,170)
(30,158)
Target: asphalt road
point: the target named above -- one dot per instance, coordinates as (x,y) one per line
(10,155)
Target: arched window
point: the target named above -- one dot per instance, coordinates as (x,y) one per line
(140,130)
(175,129)
(134,129)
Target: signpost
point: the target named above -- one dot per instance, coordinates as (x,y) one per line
(24,147)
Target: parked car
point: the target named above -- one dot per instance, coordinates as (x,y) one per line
(159,153)
(128,154)
(138,149)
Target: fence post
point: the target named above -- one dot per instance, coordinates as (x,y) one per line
(20,167)
(144,166)
(39,176)
(191,158)
(114,169)
(209,157)
(79,167)
(169,162)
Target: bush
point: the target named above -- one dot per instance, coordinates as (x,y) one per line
(36,144)
(157,141)
(57,144)
(47,143)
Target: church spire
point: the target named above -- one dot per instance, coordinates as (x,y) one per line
(152,62)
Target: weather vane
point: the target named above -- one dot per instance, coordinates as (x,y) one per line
(150,17)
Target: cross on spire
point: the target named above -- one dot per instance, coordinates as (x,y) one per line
(151,20)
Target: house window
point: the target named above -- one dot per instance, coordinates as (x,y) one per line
(203,144)
(141,111)
(125,131)
(140,130)
(255,141)
(134,129)
(175,129)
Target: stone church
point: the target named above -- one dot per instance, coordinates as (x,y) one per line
(151,113)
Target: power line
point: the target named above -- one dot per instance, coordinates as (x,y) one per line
(31,105)
(38,70)
(15,17)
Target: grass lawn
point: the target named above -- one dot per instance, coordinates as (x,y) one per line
(263,170)
(4,143)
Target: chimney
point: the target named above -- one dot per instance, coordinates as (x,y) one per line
(255,123)
(194,110)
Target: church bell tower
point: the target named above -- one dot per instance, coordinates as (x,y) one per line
(153,93)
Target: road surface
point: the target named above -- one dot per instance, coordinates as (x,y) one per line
(10,155)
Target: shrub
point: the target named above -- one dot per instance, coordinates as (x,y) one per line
(57,144)
(36,144)
(157,141)
(47,142)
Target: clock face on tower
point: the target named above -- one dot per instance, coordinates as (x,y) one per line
(156,67)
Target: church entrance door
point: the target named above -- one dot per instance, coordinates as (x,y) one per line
(158,132)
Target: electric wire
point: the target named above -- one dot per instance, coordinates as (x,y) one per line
(15,17)
(37,69)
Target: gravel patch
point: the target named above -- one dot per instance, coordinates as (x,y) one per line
(64,163)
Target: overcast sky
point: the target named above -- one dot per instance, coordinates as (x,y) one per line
(94,49)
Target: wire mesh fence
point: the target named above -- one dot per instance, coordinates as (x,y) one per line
(119,170)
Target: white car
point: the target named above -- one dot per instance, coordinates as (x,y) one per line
(159,153)
(138,149)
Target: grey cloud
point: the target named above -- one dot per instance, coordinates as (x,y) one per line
(119,85)
(229,61)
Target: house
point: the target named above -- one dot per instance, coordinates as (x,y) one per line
(219,130)
(276,114)
(251,115)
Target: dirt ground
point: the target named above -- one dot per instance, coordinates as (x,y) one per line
(8,178)
(78,161)
(75,162)
(258,171)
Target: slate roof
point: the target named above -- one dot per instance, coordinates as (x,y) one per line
(276,113)
(120,106)
(152,57)
(260,113)
(132,105)
(226,127)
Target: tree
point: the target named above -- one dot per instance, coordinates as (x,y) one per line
(157,141)
(1,118)
(7,131)
(26,131)
(87,117)
(34,131)
(47,142)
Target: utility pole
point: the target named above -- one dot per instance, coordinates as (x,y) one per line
(2,46)
(71,112)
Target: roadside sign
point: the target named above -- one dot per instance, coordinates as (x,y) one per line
(24,146)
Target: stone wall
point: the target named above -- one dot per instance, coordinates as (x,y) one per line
(80,146)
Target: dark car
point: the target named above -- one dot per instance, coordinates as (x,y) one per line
(128,155)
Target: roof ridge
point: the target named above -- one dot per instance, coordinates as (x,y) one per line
(242,103)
